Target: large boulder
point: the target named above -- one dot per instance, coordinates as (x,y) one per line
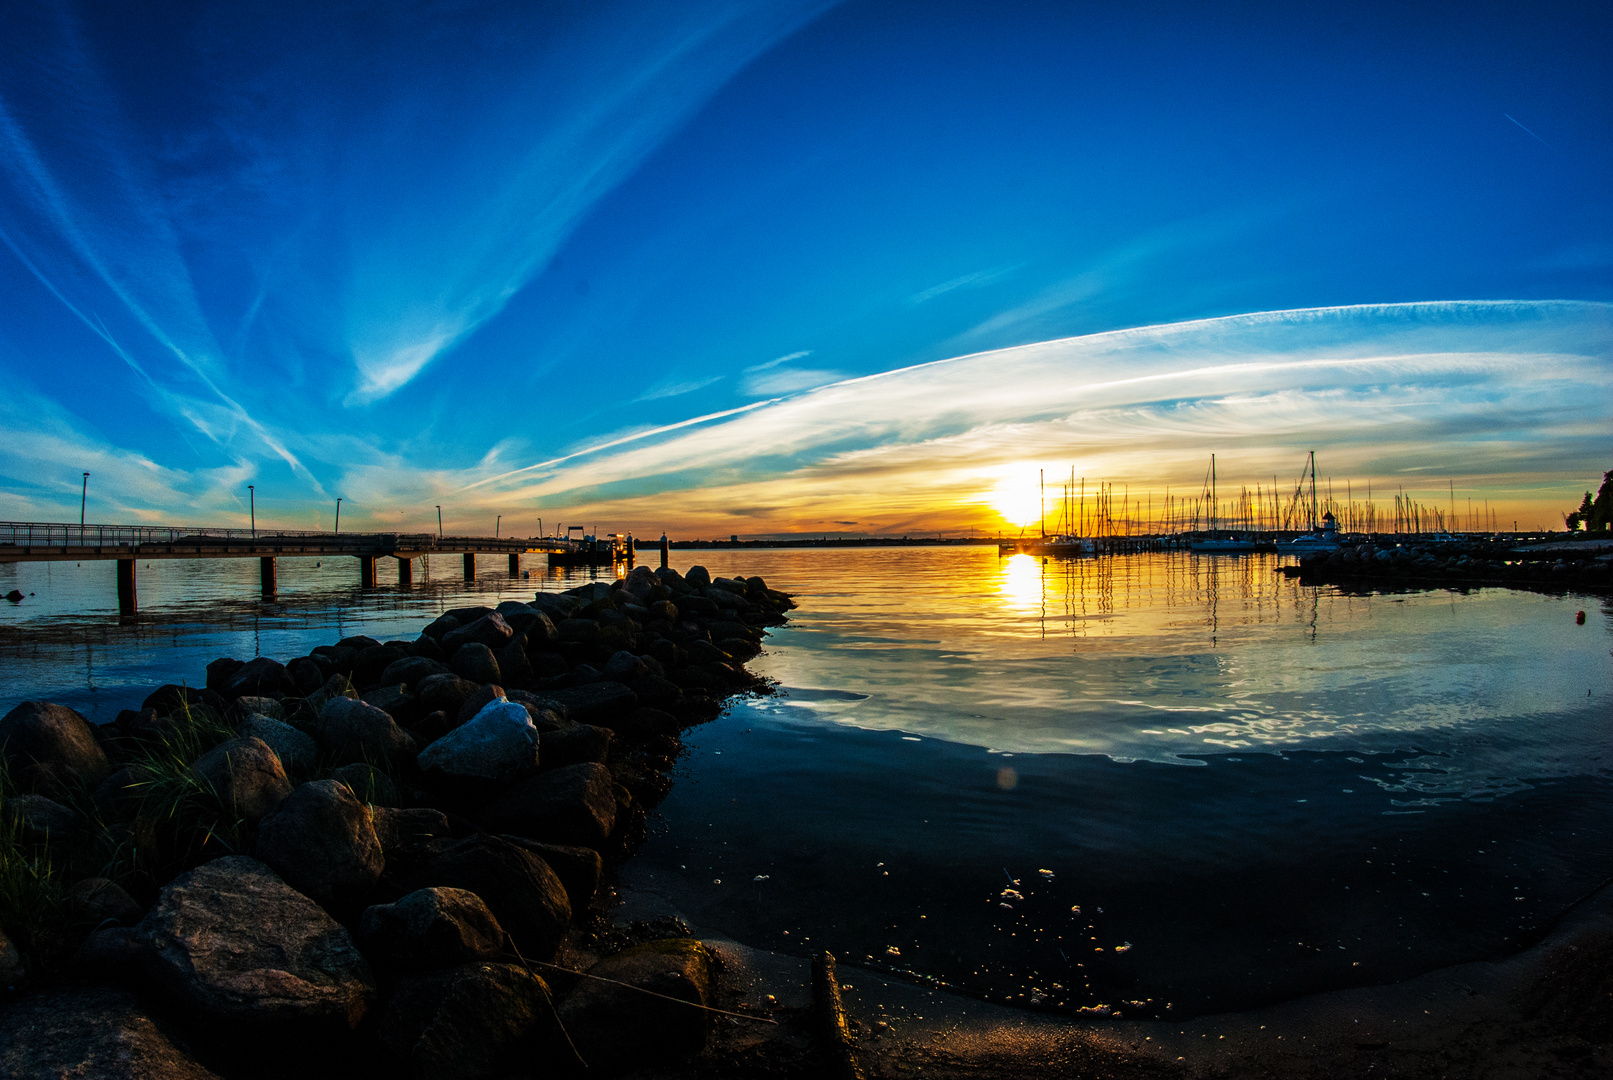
(354,731)
(92,1033)
(593,703)
(39,819)
(490,630)
(96,901)
(408,837)
(259,676)
(468,1023)
(523,893)
(578,868)
(478,701)
(247,955)
(574,745)
(322,841)
(572,805)
(616,1028)
(50,748)
(396,701)
(410,671)
(371,662)
(514,669)
(296,750)
(445,693)
(430,928)
(476,662)
(498,746)
(246,775)
(624,667)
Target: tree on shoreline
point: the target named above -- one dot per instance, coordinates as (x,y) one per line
(1594,513)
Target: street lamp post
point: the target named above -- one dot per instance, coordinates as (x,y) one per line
(252,503)
(439,523)
(496,522)
(83,501)
(338,517)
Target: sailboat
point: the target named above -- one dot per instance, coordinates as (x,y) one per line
(1323,535)
(1232,543)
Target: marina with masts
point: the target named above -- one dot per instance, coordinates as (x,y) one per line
(1091,518)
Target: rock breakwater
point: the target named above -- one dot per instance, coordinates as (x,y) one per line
(1461,563)
(368,857)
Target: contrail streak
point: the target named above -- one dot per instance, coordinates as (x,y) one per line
(1537,138)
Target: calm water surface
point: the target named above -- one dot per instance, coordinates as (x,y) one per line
(1133,781)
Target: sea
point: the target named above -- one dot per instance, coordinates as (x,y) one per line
(1159,784)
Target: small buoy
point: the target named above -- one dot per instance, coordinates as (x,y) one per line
(1579,618)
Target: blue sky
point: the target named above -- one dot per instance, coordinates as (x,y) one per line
(486,255)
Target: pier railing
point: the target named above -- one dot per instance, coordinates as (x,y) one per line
(57,534)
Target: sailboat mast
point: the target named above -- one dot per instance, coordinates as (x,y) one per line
(1213,505)
(1041,494)
(1313,490)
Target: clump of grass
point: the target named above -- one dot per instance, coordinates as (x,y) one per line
(179,820)
(34,909)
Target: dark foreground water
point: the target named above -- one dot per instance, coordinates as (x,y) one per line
(1135,781)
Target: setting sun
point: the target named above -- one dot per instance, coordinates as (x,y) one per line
(1018,502)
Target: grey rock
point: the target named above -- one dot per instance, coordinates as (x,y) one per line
(406,836)
(478,701)
(259,677)
(322,841)
(578,868)
(445,692)
(242,951)
(246,775)
(92,1033)
(494,749)
(396,701)
(624,667)
(571,805)
(337,686)
(652,690)
(296,750)
(514,668)
(354,731)
(97,900)
(50,748)
(617,1029)
(261,706)
(410,671)
(593,703)
(574,745)
(40,820)
(519,888)
(430,928)
(12,975)
(698,577)
(469,1023)
(476,662)
(490,630)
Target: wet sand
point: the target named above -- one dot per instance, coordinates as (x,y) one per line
(1546,1011)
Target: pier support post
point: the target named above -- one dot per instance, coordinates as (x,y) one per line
(515,565)
(405,571)
(470,566)
(666,549)
(266,574)
(366,571)
(128,604)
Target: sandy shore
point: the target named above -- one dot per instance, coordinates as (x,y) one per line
(1546,1011)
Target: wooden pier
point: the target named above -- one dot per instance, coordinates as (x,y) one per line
(128,545)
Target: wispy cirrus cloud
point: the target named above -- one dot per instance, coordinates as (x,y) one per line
(1500,394)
